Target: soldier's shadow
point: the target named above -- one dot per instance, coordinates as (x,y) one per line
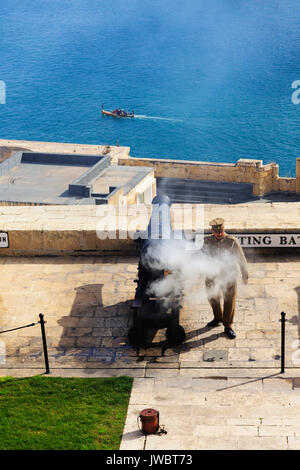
(92,329)
(215,334)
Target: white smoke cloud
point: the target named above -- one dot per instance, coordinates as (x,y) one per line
(188,270)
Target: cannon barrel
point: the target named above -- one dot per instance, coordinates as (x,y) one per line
(155,312)
(159,230)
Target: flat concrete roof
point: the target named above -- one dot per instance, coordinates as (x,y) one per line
(37,182)
(118,176)
(47,178)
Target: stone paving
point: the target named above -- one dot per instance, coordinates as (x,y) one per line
(86,303)
(216,413)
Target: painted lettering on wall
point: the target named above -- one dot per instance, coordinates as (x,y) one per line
(273,240)
(4,240)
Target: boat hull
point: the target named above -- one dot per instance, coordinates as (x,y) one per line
(109,113)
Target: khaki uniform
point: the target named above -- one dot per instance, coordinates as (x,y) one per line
(225,284)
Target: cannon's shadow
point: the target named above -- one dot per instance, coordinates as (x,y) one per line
(92,331)
(96,333)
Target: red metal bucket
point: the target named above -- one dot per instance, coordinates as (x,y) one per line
(150,421)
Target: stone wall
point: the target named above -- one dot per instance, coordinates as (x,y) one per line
(264,178)
(8,147)
(72,230)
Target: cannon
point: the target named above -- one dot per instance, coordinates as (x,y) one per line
(156,311)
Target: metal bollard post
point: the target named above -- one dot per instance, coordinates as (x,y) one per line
(42,322)
(283,320)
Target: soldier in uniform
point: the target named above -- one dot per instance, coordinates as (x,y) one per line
(220,246)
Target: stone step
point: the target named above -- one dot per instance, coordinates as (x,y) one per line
(202,191)
(261,385)
(217,186)
(185,191)
(205,194)
(200,199)
(204,198)
(196,191)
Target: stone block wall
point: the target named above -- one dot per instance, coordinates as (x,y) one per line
(72,230)
(264,178)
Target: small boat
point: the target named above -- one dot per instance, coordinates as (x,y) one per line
(118,113)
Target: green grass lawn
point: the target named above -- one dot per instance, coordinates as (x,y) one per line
(63,413)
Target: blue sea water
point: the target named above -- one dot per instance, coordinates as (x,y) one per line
(209,81)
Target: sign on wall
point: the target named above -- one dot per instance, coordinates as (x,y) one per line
(265,240)
(4,240)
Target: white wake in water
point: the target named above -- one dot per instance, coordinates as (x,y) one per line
(143,116)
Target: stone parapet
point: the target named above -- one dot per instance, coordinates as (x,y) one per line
(65,230)
(8,147)
(264,178)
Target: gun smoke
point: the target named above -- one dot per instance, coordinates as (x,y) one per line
(187,270)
